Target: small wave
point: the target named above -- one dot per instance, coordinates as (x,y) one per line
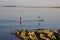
(7,21)
(2,26)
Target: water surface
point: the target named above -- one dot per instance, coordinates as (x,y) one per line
(9,20)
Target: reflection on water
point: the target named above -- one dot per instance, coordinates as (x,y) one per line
(38,24)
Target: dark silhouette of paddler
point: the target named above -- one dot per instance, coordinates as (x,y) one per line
(38,17)
(20,20)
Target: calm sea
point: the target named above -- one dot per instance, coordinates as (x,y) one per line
(9,20)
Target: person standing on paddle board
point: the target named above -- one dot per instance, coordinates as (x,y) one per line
(20,20)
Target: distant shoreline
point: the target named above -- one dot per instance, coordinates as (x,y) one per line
(9,6)
(27,7)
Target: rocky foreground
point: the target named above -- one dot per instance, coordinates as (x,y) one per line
(39,34)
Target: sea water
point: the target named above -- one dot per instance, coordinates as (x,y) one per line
(9,20)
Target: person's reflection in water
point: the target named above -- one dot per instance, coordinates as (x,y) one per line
(38,24)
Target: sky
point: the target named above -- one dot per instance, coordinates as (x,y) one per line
(34,3)
(6,12)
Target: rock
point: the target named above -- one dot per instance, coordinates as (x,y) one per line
(39,34)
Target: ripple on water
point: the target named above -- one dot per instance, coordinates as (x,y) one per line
(2,26)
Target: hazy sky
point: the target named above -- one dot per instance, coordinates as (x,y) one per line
(31,2)
(30,12)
